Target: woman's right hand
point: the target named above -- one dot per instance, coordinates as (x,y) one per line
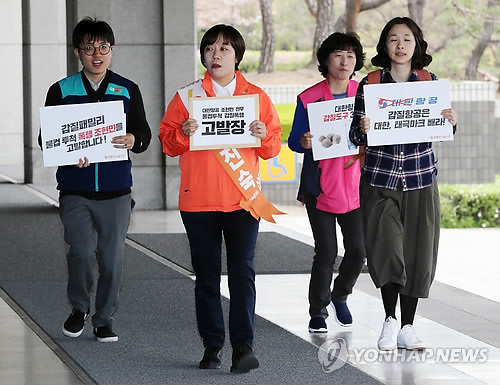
(306,140)
(365,124)
(189,127)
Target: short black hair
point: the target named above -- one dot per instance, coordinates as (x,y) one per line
(338,41)
(230,35)
(93,29)
(420,57)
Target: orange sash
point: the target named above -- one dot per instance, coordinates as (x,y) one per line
(248,182)
(246,179)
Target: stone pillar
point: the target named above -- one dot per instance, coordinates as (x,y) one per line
(179,69)
(11,100)
(44,64)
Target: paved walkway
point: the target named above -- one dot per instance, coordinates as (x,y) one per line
(460,321)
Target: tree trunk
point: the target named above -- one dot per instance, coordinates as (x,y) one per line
(324,24)
(352,9)
(371,4)
(416,10)
(323,13)
(312,7)
(365,5)
(482,43)
(266,63)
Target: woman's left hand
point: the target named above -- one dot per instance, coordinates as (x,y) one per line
(258,129)
(450,114)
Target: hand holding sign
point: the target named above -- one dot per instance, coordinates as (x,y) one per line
(124,141)
(258,129)
(450,115)
(306,140)
(189,127)
(365,124)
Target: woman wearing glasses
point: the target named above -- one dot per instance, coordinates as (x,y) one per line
(95,200)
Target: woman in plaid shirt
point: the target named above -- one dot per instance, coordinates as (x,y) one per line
(399,194)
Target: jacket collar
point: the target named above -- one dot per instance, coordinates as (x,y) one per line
(242,84)
(102,87)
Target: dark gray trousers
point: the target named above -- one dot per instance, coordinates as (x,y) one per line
(402,236)
(323,225)
(95,230)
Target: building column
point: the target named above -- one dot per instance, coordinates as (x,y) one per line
(44,64)
(180,48)
(11,118)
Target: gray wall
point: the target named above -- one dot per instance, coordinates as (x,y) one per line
(155,48)
(11,118)
(473,156)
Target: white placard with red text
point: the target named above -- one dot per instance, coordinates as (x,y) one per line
(74,131)
(329,122)
(224,122)
(407,112)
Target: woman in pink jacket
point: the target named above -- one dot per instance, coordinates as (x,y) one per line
(330,188)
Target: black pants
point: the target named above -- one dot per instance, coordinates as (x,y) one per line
(204,231)
(323,226)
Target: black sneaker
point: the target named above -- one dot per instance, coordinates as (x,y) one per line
(244,359)
(317,325)
(105,334)
(73,327)
(211,358)
(342,314)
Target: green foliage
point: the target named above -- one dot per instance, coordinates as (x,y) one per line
(283,60)
(293,24)
(286,113)
(464,206)
(451,29)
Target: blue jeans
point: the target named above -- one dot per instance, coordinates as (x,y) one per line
(204,231)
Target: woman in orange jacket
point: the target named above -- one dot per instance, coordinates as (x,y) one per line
(212,203)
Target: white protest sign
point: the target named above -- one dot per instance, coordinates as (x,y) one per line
(224,122)
(329,122)
(407,112)
(72,132)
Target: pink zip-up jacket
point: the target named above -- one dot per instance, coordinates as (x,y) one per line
(339,185)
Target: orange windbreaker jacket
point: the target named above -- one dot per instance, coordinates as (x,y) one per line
(205,185)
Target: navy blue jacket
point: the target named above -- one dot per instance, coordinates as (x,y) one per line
(108,179)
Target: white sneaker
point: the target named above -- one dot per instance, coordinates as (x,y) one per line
(407,339)
(388,336)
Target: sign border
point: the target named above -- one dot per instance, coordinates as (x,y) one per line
(194,147)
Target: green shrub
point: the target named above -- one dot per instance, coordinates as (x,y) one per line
(285,112)
(465,206)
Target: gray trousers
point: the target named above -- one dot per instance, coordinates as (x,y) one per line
(93,230)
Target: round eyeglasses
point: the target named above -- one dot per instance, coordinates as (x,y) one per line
(90,49)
